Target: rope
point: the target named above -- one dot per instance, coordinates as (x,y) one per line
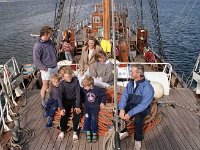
(109,140)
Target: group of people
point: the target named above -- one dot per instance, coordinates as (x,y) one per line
(69,92)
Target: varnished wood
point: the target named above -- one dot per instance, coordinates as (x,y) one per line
(178,129)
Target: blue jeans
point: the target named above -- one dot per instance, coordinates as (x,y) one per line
(68,56)
(91,119)
(51,107)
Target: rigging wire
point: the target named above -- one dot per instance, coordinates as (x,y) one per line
(179,20)
(192,7)
(69,13)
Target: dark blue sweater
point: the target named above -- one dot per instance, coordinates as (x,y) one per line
(54,93)
(44,55)
(94,97)
(69,92)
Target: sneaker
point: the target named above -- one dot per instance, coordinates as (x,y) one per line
(123,135)
(138,145)
(61,135)
(75,137)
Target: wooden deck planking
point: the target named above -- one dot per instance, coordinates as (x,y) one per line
(100,141)
(166,144)
(26,112)
(179,130)
(176,141)
(65,141)
(178,123)
(165,130)
(36,122)
(182,99)
(189,119)
(174,131)
(158,138)
(191,129)
(123,144)
(152,140)
(129,143)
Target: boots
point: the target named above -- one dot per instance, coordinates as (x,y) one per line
(138,145)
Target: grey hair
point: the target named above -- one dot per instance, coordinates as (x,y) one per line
(139,69)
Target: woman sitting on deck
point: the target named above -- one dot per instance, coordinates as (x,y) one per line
(69,97)
(102,71)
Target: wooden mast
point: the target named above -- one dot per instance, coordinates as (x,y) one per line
(106,19)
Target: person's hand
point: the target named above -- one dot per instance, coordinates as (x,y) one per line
(102,106)
(99,78)
(122,114)
(45,69)
(62,112)
(80,72)
(77,110)
(127,117)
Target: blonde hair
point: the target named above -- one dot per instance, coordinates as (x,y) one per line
(61,71)
(68,71)
(87,81)
(55,77)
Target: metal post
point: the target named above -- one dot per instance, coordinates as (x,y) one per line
(117,139)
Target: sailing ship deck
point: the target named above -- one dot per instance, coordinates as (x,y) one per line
(179,128)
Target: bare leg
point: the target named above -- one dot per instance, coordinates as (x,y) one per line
(45,86)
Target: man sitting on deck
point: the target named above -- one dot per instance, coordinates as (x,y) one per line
(135,101)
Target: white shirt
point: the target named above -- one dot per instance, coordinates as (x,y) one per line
(90,53)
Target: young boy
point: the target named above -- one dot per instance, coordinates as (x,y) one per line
(52,104)
(69,97)
(95,98)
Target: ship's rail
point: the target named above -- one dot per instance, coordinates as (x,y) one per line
(12,79)
(10,82)
(123,73)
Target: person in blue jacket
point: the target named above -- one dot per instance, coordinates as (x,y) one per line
(135,101)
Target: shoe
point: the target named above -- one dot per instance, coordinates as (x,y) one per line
(94,137)
(75,137)
(61,135)
(123,135)
(88,136)
(46,114)
(50,123)
(137,145)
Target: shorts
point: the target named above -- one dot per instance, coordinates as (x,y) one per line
(46,75)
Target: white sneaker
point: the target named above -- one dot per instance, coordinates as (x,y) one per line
(138,145)
(123,135)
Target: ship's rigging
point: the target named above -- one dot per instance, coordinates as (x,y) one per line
(69,17)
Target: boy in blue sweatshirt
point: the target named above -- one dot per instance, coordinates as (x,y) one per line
(95,98)
(136,100)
